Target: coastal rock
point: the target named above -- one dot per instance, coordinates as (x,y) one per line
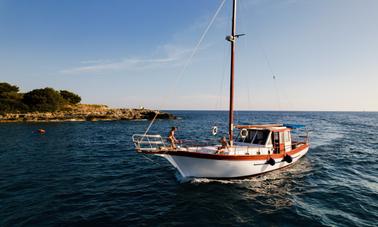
(86,112)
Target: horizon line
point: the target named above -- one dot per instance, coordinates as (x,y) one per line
(356,111)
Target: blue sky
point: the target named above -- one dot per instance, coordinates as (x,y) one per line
(323,53)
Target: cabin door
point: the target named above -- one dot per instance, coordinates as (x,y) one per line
(278,142)
(282,142)
(287,141)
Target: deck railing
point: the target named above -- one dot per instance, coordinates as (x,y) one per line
(151,143)
(147,142)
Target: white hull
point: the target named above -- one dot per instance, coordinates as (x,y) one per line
(194,167)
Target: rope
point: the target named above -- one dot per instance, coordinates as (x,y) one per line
(271,72)
(149,126)
(200,40)
(221,99)
(277,92)
(275,80)
(144,156)
(190,58)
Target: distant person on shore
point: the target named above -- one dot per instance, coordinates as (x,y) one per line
(171,137)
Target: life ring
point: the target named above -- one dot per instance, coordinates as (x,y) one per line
(243,133)
(214,130)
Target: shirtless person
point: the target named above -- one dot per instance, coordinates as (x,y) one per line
(224,144)
(171,137)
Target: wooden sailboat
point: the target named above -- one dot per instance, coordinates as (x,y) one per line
(256,149)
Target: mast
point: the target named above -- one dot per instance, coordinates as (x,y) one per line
(232,38)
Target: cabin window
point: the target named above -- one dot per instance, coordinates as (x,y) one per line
(269,142)
(248,138)
(281,137)
(287,136)
(255,137)
(251,136)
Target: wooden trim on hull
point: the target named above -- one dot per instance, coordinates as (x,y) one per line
(228,157)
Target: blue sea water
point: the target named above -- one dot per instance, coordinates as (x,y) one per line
(88,174)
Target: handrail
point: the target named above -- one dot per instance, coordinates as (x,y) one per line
(153,143)
(147,142)
(151,136)
(144,142)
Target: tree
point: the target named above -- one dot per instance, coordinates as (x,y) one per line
(5,87)
(70,97)
(10,99)
(12,106)
(43,100)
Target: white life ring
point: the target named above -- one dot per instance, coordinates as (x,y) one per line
(243,133)
(214,130)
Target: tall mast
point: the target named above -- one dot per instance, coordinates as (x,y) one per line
(232,40)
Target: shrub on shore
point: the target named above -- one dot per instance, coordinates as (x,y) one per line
(70,97)
(10,99)
(6,88)
(41,100)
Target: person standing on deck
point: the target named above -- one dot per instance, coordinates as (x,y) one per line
(171,137)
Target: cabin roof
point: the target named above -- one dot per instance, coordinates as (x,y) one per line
(271,127)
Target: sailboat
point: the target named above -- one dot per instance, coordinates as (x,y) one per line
(256,149)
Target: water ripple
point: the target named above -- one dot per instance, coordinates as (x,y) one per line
(87,173)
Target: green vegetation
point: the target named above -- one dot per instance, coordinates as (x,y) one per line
(10,99)
(41,100)
(6,88)
(70,97)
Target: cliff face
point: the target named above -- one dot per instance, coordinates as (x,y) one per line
(84,112)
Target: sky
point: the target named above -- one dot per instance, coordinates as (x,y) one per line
(310,55)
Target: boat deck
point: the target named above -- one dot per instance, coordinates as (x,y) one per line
(156,144)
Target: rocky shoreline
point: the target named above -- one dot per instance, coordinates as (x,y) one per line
(85,112)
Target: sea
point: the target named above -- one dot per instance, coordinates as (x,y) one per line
(88,174)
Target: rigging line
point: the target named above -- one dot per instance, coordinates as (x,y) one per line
(271,71)
(199,42)
(223,73)
(265,55)
(244,45)
(144,156)
(276,90)
(160,180)
(149,126)
(220,99)
(275,79)
(240,47)
(190,58)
